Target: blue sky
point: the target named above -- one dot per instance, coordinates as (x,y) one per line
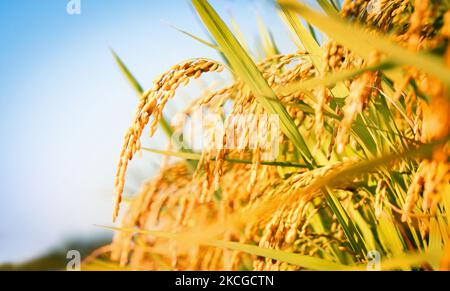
(65,106)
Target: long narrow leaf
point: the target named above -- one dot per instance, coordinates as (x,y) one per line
(307,262)
(197,156)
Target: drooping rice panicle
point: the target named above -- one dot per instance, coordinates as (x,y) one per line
(151,105)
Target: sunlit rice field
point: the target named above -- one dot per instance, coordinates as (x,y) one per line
(331,157)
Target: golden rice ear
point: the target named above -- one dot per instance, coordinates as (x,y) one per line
(151,105)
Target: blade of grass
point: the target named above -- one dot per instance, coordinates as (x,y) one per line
(130,78)
(307,109)
(434,241)
(355,238)
(211,45)
(268,44)
(305,37)
(197,157)
(330,79)
(238,33)
(310,263)
(328,7)
(407,261)
(390,237)
(365,229)
(313,32)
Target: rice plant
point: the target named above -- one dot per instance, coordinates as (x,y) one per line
(362,148)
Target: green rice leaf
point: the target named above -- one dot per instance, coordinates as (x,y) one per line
(330,79)
(355,238)
(197,157)
(128,75)
(211,45)
(328,7)
(307,40)
(267,41)
(434,241)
